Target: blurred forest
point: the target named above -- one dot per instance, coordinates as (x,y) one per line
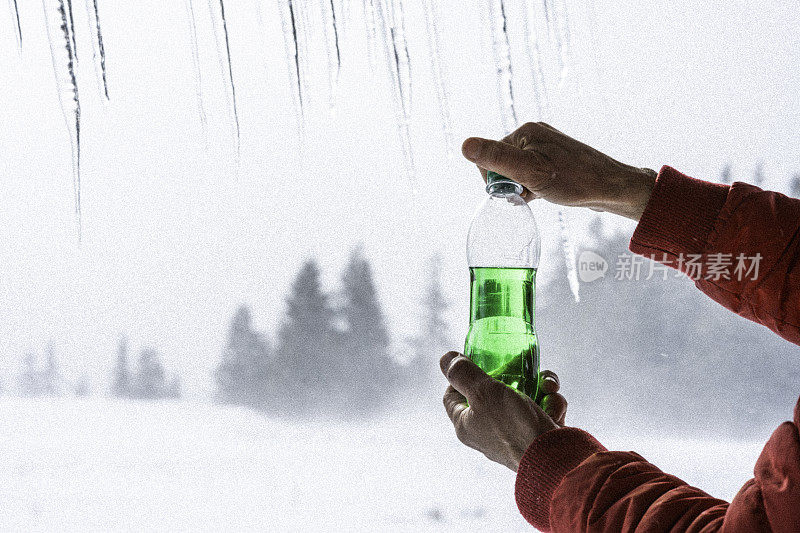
(652,353)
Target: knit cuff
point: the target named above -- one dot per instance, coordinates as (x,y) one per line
(550,457)
(679,216)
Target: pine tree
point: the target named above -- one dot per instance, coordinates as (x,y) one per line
(149,381)
(758,174)
(121,386)
(82,387)
(433,338)
(794,185)
(371,373)
(244,374)
(28,382)
(308,370)
(50,377)
(726,175)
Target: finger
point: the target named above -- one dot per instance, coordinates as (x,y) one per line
(555,406)
(446,359)
(502,158)
(454,403)
(466,377)
(548,382)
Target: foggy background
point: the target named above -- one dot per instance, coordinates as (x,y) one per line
(200,252)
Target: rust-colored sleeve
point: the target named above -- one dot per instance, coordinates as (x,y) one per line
(568,482)
(740,244)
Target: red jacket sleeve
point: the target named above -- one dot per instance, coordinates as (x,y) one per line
(567,481)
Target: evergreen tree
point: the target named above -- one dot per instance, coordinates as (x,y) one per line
(794,185)
(149,381)
(50,377)
(82,388)
(28,381)
(433,338)
(174,389)
(726,175)
(758,174)
(371,373)
(308,371)
(121,385)
(244,374)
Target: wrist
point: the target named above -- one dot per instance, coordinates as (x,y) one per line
(629,192)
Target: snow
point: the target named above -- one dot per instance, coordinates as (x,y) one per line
(100,464)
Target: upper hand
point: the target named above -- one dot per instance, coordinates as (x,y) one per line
(556,167)
(498,421)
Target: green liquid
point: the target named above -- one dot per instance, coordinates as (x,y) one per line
(501,337)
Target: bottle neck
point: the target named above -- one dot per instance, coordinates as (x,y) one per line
(498,185)
(504,188)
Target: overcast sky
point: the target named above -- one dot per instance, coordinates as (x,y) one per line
(176,233)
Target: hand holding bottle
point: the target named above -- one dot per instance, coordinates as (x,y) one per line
(495,419)
(562,170)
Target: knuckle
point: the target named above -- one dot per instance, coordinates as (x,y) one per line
(458,366)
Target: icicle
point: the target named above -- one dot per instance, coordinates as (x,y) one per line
(292,46)
(569,256)
(72,29)
(18,28)
(329,23)
(369,26)
(336,39)
(402,59)
(534,53)
(502,57)
(392,53)
(230,75)
(98,50)
(565,39)
(73,126)
(438,77)
(198,73)
(224,72)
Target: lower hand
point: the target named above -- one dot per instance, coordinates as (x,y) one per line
(554,166)
(498,421)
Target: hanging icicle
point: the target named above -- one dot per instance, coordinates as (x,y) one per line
(225,72)
(98,50)
(400,79)
(72,29)
(569,256)
(336,39)
(70,109)
(370,28)
(438,76)
(332,51)
(501,47)
(230,74)
(534,53)
(564,38)
(198,73)
(402,59)
(292,45)
(12,4)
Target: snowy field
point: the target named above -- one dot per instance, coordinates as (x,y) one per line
(103,465)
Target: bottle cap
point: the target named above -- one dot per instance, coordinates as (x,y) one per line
(498,182)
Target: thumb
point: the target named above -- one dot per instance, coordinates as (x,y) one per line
(464,375)
(501,157)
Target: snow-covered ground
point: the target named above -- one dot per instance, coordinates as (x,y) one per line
(99,464)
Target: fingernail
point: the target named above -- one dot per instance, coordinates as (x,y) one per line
(471,148)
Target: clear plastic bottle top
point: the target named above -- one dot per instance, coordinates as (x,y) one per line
(503,232)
